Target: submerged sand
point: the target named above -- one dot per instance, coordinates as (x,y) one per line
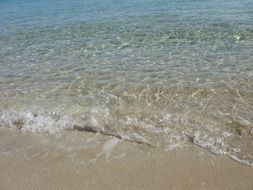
(32,162)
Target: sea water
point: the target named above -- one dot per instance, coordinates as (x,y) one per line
(156,72)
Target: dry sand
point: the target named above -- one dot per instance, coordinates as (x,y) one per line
(38,162)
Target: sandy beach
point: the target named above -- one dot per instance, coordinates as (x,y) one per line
(126,95)
(35,162)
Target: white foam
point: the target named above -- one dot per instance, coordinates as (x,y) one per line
(246,162)
(213,143)
(42,123)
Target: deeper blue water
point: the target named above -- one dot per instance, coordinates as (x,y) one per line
(159,72)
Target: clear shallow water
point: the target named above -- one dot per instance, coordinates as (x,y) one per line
(161,73)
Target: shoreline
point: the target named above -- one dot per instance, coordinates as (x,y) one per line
(29,161)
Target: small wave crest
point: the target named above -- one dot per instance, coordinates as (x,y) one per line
(52,123)
(130,129)
(218,145)
(35,122)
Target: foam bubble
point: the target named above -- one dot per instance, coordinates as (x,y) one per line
(42,123)
(213,143)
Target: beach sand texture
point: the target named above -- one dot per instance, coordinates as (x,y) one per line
(35,163)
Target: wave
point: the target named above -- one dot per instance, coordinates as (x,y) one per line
(53,123)
(217,142)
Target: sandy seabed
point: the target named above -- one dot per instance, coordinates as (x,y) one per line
(40,162)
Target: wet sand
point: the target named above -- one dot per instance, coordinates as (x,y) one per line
(32,162)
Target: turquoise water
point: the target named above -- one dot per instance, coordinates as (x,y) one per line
(157,72)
